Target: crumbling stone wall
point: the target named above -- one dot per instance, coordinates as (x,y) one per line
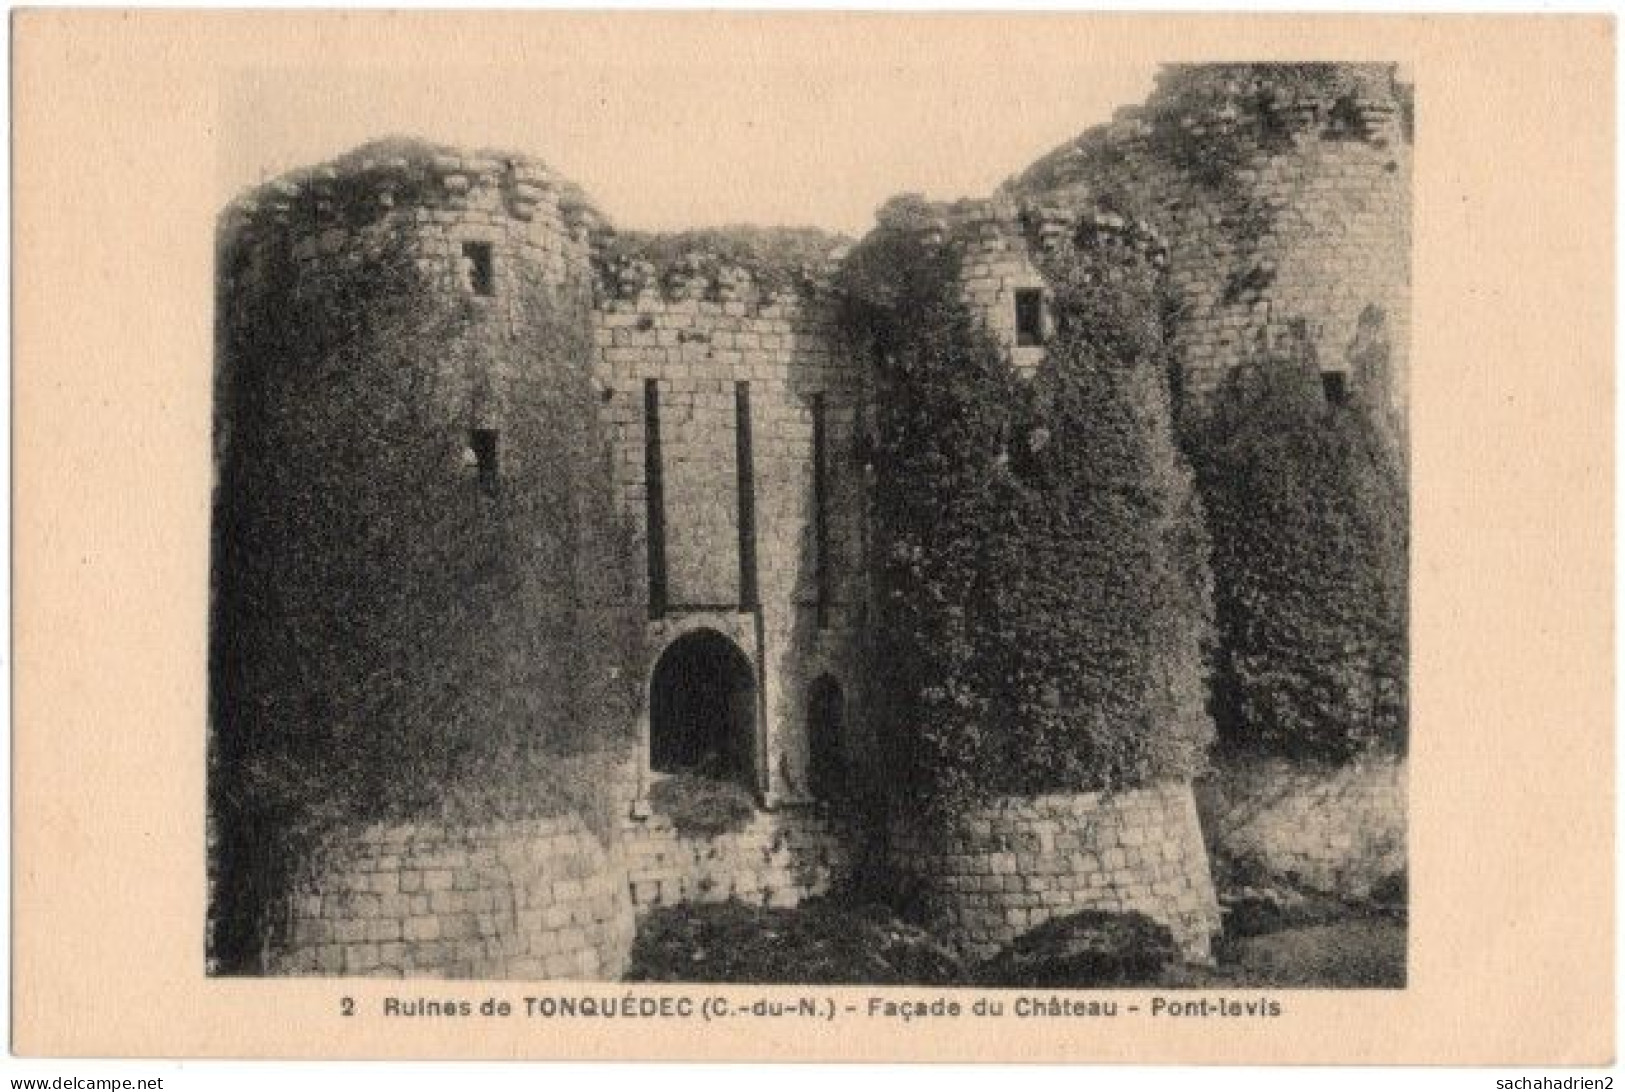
(778,859)
(987,876)
(1285,202)
(1001,242)
(438,200)
(1335,829)
(537,899)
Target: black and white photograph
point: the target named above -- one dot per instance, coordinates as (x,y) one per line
(718,538)
(798,572)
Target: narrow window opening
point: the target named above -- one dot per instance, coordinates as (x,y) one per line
(654,498)
(478,272)
(828,771)
(820,511)
(744,468)
(1029,316)
(1335,384)
(484,443)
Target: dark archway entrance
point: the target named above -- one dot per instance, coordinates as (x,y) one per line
(825,709)
(702,709)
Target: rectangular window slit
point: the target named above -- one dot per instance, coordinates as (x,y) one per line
(1335,384)
(1029,316)
(820,511)
(654,499)
(746,482)
(484,443)
(478,272)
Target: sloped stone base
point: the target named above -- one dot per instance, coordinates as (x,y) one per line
(996,872)
(536,898)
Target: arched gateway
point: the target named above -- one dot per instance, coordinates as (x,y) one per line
(702,709)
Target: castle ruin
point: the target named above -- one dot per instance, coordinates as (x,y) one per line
(730,402)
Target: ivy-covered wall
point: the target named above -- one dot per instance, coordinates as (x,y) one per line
(1038,559)
(1284,192)
(422,591)
(1306,502)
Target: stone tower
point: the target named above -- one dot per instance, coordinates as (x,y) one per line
(1284,193)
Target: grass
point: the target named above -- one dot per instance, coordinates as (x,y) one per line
(1355,953)
(825,942)
(820,943)
(1277,936)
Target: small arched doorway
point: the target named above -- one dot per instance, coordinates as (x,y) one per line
(702,709)
(826,754)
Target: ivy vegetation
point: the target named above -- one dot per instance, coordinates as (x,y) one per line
(396,633)
(1040,567)
(1307,505)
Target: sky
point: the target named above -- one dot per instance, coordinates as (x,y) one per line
(785,128)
